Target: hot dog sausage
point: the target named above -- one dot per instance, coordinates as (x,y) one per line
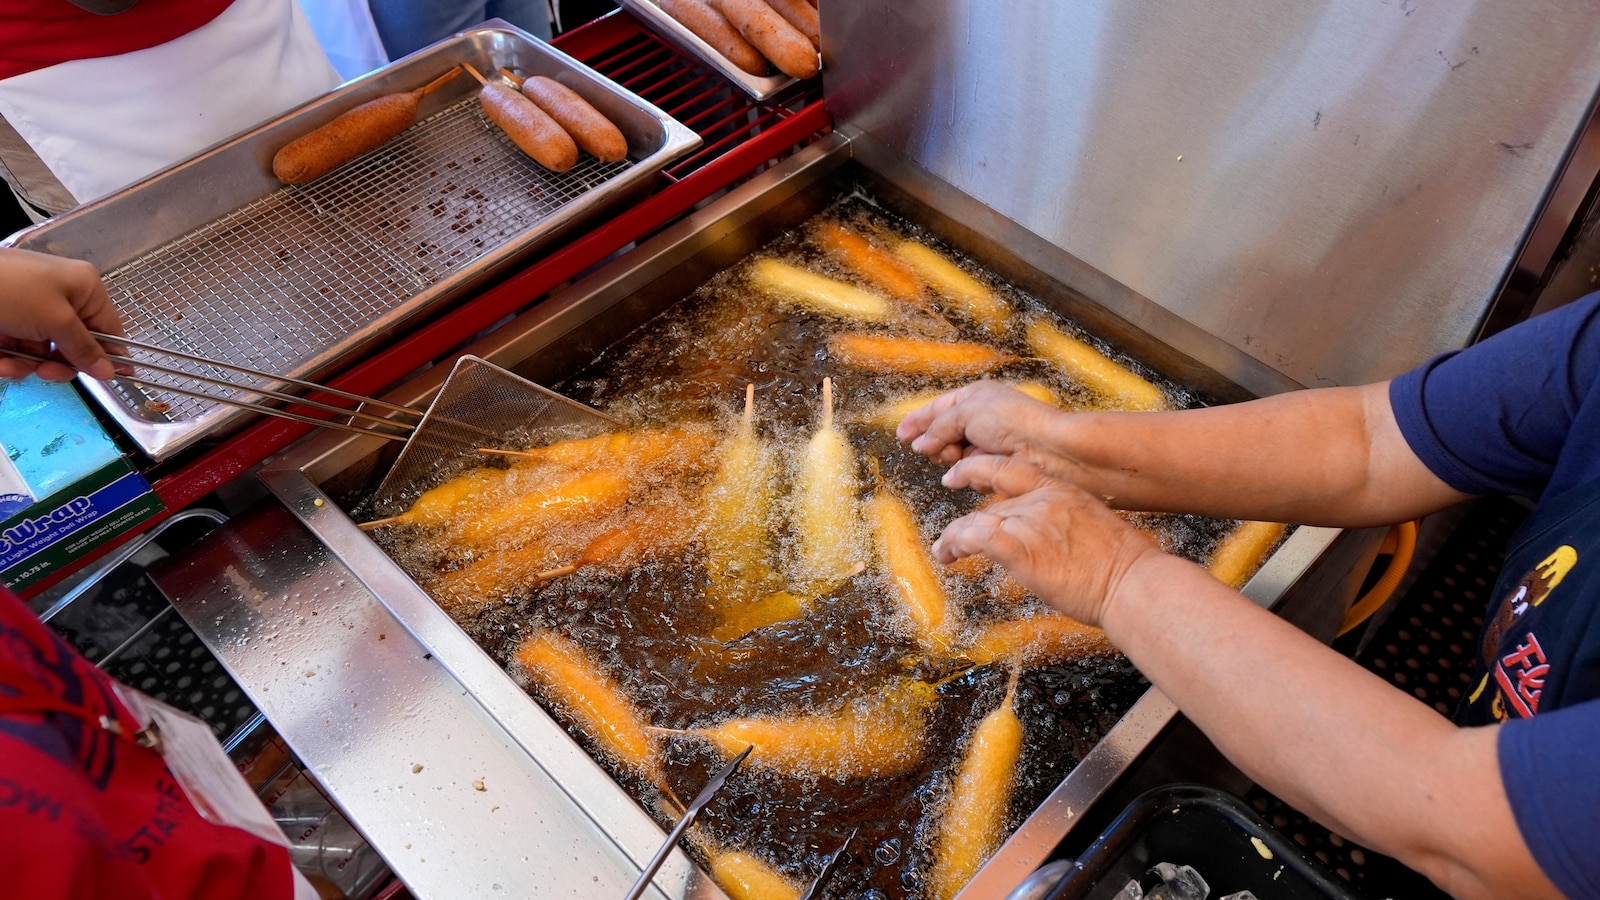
(588,126)
(352,133)
(710,26)
(775,38)
(802,16)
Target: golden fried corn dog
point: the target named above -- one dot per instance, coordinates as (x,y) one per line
(967,294)
(1242,551)
(745,876)
(1044,639)
(1116,383)
(777,40)
(818,292)
(910,567)
(877,734)
(831,542)
(589,495)
(738,509)
(577,685)
(528,126)
(352,133)
(590,129)
(884,355)
(974,814)
(713,28)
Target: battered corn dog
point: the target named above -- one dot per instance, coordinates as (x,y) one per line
(745,876)
(817,292)
(875,353)
(352,133)
(802,15)
(590,129)
(877,734)
(889,414)
(589,495)
(738,506)
(1241,552)
(910,568)
(1116,383)
(777,40)
(1044,639)
(739,619)
(974,814)
(528,126)
(869,261)
(440,506)
(967,294)
(826,518)
(710,26)
(577,685)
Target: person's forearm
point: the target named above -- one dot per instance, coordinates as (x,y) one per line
(1328,457)
(1316,729)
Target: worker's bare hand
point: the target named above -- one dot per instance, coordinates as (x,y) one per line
(1056,540)
(985,417)
(50,301)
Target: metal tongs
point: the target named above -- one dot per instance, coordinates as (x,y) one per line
(689,815)
(404,427)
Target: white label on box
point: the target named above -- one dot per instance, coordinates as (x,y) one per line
(15,495)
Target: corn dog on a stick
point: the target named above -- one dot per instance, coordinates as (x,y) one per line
(818,292)
(738,506)
(469,491)
(577,685)
(1044,639)
(974,814)
(874,735)
(1116,383)
(876,353)
(967,294)
(589,495)
(745,876)
(910,568)
(1241,552)
(831,539)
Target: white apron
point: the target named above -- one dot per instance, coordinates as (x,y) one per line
(101,124)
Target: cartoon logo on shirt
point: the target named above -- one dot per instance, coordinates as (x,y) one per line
(1521,673)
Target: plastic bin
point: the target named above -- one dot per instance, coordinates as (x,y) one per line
(1214,832)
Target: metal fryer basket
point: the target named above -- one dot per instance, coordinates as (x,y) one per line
(480,405)
(273,283)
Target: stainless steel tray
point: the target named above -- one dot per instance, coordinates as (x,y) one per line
(214,257)
(760,87)
(313,478)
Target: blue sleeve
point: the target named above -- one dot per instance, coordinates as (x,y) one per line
(1495,418)
(1551,770)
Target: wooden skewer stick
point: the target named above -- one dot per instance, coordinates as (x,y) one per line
(749,404)
(827,404)
(475,73)
(375,524)
(557,572)
(512,77)
(521,454)
(439,82)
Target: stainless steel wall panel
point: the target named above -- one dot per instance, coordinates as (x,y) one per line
(1337,189)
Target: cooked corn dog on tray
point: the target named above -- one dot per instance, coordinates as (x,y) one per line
(748,564)
(760,47)
(300,243)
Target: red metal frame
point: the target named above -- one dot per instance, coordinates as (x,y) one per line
(740,138)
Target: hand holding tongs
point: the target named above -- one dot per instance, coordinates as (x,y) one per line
(689,815)
(405,427)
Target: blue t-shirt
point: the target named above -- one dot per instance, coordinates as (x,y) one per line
(1520,414)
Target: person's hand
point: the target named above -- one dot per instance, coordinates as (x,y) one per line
(1059,542)
(48,300)
(984,417)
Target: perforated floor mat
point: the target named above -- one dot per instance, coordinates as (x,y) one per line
(1425,648)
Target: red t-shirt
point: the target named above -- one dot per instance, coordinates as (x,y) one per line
(36,34)
(86,813)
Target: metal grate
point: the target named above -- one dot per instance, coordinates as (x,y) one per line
(1426,648)
(278,281)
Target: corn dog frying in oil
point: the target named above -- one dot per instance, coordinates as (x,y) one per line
(352,133)
(528,126)
(975,812)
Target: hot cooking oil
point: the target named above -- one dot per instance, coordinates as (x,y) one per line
(656,617)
